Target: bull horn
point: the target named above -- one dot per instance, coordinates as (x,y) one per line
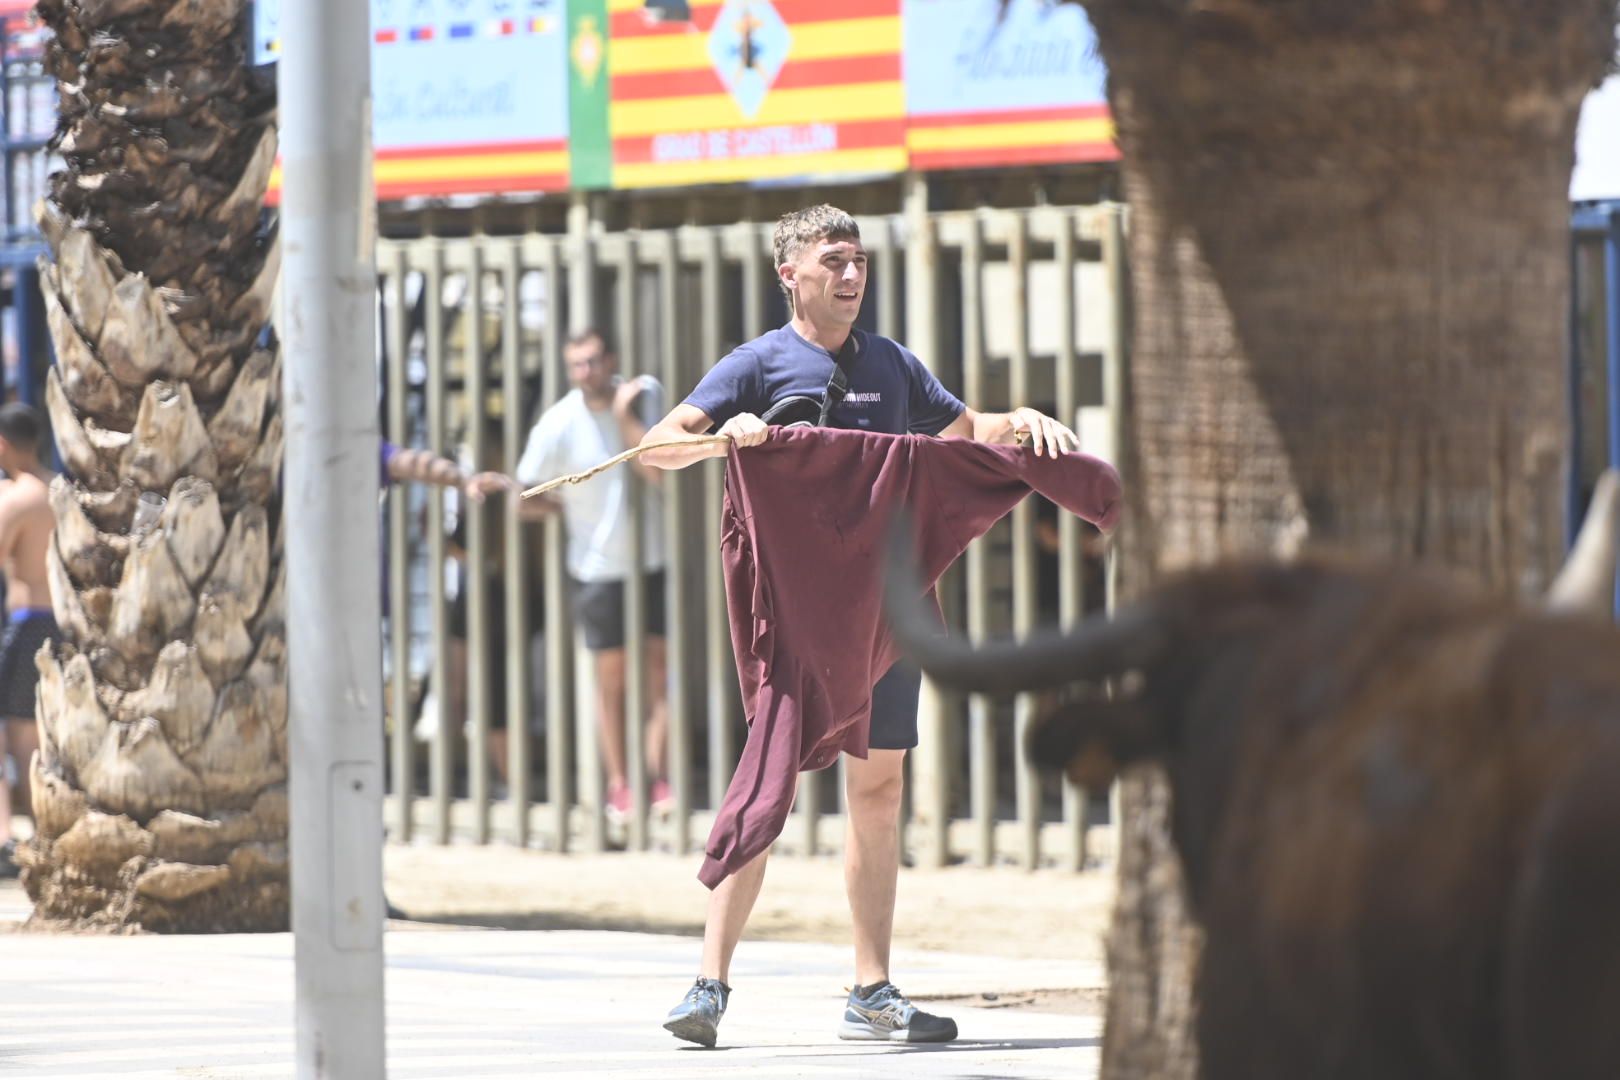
(1092,650)
(1586,583)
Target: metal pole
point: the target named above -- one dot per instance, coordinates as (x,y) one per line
(635,586)
(1115,388)
(559,628)
(1611,267)
(333,606)
(930,762)
(681,614)
(1071,580)
(581,264)
(981,710)
(399,568)
(1572,375)
(1027,782)
(475,579)
(513,431)
(439,753)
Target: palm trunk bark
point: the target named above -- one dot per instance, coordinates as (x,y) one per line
(1348,246)
(159,791)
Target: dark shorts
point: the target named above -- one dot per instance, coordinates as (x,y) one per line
(25,631)
(894,708)
(599,608)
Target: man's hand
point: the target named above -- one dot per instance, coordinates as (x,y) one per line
(481,485)
(1047,435)
(745,429)
(624,398)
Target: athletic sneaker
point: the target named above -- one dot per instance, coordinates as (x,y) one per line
(697,1018)
(883,1013)
(619,804)
(663,799)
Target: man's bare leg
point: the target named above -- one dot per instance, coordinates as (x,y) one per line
(23,736)
(5,788)
(729,906)
(610,713)
(657,709)
(872,792)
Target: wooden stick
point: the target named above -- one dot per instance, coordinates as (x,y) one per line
(634,451)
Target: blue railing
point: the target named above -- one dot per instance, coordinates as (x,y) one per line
(1599,221)
(27,120)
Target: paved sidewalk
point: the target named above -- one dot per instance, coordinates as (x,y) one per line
(493,1003)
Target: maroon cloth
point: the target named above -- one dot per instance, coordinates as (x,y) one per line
(806,522)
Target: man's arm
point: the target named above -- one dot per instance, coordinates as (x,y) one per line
(684,421)
(426,467)
(12,510)
(1043,432)
(630,426)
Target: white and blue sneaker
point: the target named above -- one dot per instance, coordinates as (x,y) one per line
(882,1013)
(697,1018)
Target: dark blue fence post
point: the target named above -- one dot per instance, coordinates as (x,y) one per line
(1611,304)
(1600,221)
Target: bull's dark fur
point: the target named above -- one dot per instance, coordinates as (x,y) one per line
(1397,805)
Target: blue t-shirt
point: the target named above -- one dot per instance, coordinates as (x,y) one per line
(889,388)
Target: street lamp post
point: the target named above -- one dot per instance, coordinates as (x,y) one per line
(330,499)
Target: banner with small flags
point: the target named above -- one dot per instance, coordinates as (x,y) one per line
(477,97)
(469,97)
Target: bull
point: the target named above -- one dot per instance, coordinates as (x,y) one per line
(1395,800)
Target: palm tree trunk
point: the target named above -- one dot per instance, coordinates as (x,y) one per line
(159,791)
(1348,238)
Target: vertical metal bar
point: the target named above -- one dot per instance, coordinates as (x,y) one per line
(1611,266)
(981,714)
(755,282)
(333,608)
(1071,568)
(559,629)
(28,306)
(439,754)
(1114,391)
(1575,362)
(888,283)
(6,150)
(581,263)
(1027,782)
(809,806)
(930,762)
(516,582)
(679,616)
(722,676)
(399,567)
(889,326)
(635,586)
(476,580)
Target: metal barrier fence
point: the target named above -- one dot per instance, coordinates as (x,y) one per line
(1008,307)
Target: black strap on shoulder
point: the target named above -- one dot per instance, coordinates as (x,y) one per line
(838,382)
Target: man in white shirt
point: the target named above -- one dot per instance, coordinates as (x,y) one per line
(602,416)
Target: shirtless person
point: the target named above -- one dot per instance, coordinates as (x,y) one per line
(25,533)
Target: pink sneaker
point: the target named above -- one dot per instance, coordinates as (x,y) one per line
(618,802)
(663,799)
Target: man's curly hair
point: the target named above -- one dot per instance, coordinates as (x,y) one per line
(813,224)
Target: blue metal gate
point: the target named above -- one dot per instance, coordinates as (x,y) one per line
(28,101)
(1593,224)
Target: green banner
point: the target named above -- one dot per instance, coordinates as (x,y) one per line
(590,146)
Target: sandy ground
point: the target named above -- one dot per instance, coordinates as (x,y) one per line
(1002,912)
